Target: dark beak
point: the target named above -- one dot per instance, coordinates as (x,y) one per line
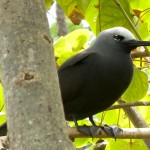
(135,43)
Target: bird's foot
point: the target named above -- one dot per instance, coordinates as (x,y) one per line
(112,130)
(88,130)
(92,130)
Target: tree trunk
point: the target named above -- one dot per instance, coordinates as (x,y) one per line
(32,97)
(61,23)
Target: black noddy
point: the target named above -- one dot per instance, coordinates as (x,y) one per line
(95,78)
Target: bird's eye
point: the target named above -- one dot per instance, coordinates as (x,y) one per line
(118,37)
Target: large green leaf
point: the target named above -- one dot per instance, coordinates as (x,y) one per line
(138,87)
(108,15)
(70,44)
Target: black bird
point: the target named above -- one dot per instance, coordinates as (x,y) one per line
(95,78)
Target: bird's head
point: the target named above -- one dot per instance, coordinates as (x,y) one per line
(119,38)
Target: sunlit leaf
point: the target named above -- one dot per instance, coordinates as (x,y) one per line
(108,15)
(138,87)
(126,144)
(142,21)
(78,38)
(62,46)
(80,142)
(70,44)
(2,108)
(64,57)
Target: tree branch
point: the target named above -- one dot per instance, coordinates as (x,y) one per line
(128,133)
(139,54)
(4,143)
(136,119)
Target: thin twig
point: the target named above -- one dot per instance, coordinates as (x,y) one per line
(124,105)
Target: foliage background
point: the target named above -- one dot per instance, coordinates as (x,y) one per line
(103,14)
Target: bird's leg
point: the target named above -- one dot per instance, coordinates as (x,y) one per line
(88,130)
(94,129)
(84,129)
(92,121)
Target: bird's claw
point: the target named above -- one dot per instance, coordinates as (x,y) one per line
(88,130)
(92,130)
(112,130)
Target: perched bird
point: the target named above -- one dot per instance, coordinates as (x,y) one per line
(95,78)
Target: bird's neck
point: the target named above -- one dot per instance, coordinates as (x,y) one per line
(107,52)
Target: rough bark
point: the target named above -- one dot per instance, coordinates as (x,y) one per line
(32,97)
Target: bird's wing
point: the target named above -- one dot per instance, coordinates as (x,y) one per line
(74,60)
(73,75)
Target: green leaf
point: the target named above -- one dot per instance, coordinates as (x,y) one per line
(78,38)
(102,18)
(143,30)
(48,3)
(62,46)
(126,145)
(92,18)
(2,112)
(111,118)
(141,18)
(80,142)
(139,5)
(74,9)
(70,44)
(97,13)
(64,57)
(147,71)
(138,87)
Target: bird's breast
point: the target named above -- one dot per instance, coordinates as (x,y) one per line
(111,78)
